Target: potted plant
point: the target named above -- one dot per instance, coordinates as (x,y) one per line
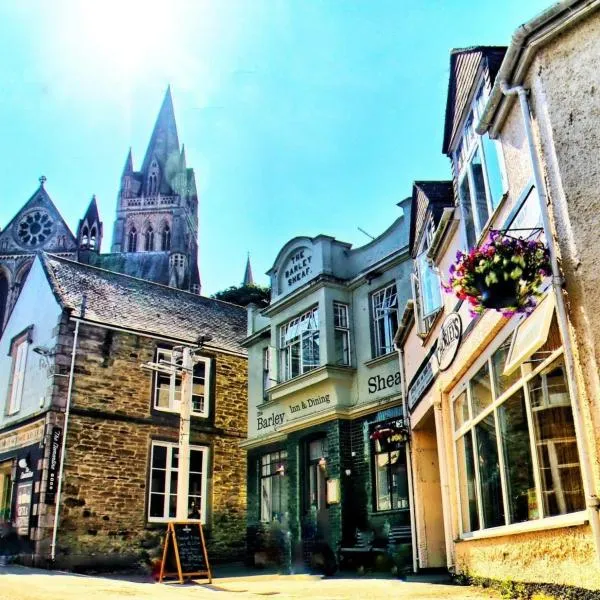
(388,437)
(505,274)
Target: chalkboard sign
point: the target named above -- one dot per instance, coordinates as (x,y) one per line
(184,553)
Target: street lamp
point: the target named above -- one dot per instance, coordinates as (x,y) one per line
(186,371)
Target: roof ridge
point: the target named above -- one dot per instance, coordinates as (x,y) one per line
(146,281)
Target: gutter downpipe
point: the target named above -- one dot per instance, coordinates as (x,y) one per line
(411,489)
(64,445)
(592,501)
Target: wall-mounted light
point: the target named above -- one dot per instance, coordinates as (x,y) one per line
(281,470)
(322,463)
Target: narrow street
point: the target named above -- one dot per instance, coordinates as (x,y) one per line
(20,583)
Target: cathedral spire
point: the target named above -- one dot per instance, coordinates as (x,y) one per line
(164,141)
(248,279)
(128,168)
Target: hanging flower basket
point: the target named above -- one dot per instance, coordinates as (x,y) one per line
(388,437)
(505,274)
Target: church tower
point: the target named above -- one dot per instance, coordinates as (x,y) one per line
(156,226)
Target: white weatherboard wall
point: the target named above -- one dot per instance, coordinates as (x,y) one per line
(35,306)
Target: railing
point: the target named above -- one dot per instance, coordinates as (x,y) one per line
(153,201)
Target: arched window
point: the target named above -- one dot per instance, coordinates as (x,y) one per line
(132,240)
(149,239)
(153,179)
(84,242)
(166,238)
(93,236)
(3,297)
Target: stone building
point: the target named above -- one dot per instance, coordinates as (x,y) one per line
(155,234)
(74,344)
(323,380)
(508,407)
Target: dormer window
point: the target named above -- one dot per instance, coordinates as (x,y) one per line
(481,181)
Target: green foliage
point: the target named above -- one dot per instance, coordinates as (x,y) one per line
(245,294)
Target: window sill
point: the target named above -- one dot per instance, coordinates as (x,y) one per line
(177,412)
(381,359)
(570,520)
(324,372)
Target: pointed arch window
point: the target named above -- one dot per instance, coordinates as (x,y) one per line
(153,179)
(166,238)
(149,239)
(132,240)
(85,237)
(93,238)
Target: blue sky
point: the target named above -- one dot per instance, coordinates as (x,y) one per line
(299,117)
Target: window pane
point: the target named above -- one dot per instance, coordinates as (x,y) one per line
(382,483)
(562,488)
(517,458)
(158,481)
(295,360)
(503,382)
(481,205)
(430,287)
(196,461)
(492,167)
(481,392)
(342,355)
(461,411)
(489,473)
(398,475)
(157,505)
(159,457)
(467,484)
(467,212)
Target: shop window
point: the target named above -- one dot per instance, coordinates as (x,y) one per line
(6,487)
(167,388)
(390,475)
(341,333)
(19,349)
(273,486)
(164,469)
(299,345)
(385,319)
(316,488)
(482,182)
(515,441)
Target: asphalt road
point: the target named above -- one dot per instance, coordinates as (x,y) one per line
(19,583)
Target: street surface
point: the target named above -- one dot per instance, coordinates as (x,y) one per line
(20,583)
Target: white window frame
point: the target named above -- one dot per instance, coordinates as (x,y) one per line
(468,428)
(296,332)
(470,144)
(266,371)
(341,325)
(19,351)
(384,302)
(172,447)
(165,354)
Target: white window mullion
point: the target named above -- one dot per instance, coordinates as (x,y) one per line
(534,455)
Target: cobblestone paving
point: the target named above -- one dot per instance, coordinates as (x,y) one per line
(18,583)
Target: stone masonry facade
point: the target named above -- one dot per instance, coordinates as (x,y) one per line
(112,426)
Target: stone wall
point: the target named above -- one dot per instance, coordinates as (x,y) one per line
(108,451)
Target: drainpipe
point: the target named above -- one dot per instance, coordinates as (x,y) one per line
(64,445)
(411,493)
(592,501)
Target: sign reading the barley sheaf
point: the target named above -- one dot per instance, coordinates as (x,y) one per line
(448,340)
(296,270)
(184,552)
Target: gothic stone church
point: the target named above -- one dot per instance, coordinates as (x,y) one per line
(155,235)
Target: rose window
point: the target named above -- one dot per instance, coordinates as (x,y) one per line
(35,228)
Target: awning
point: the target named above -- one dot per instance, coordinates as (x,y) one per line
(531,334)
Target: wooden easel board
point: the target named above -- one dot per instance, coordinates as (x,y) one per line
(184,553)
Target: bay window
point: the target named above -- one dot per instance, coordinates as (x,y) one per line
(385,319)
(341,333)
(164,471)
(299,345)
(167,387)
(515,444)
(481,182)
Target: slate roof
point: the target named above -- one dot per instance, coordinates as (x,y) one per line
(428,196)
(144,307)
(464,67)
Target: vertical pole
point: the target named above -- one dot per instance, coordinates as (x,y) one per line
(183,476)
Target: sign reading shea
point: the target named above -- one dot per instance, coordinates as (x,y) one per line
(297,268)
(379,383)
(295,409)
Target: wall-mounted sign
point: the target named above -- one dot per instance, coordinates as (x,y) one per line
(296,269)
(420,384)
(24,493)
(333,491)
(54,460)
(377,383)
(448,340)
